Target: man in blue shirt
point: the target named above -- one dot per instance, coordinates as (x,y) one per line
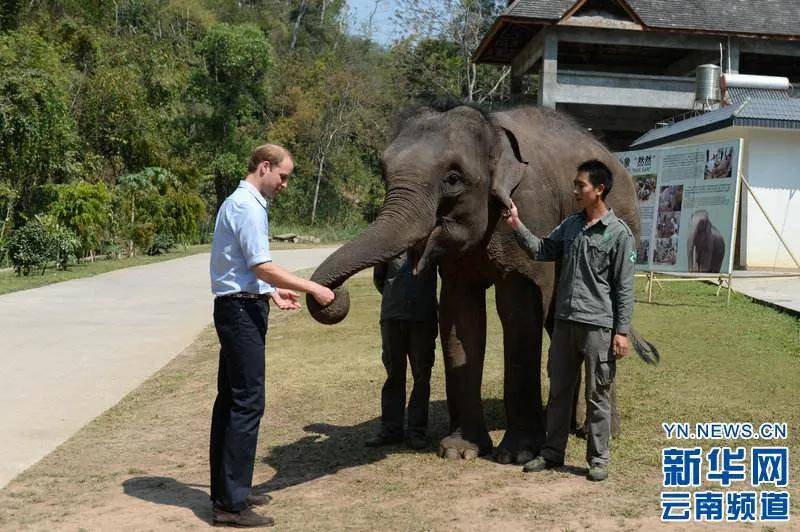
(243,278)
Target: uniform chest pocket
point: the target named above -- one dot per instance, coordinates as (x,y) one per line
(599,255)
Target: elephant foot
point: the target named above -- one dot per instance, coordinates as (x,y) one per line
(456,446)
(518,447)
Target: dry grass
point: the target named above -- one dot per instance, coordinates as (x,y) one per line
(142,465)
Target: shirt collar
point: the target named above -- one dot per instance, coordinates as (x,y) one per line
(254,191)
(607,219)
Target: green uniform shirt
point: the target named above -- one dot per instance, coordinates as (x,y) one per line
(597,264)
(405,296)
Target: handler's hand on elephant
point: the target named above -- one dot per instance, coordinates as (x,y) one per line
(512,216)
(620,345)
(323,295)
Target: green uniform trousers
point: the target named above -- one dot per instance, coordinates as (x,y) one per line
(572,344)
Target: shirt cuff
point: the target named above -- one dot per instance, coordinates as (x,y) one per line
(258,259)
(622,328)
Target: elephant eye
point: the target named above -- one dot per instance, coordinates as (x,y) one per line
(452,177)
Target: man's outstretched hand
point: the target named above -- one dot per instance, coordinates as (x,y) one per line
(286,299)
(512,216)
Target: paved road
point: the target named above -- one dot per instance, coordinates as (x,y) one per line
(71,350)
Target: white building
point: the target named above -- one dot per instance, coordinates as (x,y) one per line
(768,121)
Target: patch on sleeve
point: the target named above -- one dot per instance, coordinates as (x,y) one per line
(632,257)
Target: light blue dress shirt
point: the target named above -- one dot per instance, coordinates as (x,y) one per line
(241,241)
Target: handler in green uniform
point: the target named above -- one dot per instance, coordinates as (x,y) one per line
(594,306)
(408,330)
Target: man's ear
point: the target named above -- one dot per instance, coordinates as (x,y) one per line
(509,167)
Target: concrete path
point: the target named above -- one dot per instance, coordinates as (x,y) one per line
(71,350)
(782,290)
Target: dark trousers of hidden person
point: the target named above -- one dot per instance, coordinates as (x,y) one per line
(415,341)
(242,328)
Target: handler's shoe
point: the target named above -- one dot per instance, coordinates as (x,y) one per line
(383,438)
(540,463)
(597,473)
(247,518)
(258,500)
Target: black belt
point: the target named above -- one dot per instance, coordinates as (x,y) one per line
(244,295)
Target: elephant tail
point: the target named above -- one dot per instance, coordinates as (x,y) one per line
(646,351)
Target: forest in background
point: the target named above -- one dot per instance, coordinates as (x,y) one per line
(124,124)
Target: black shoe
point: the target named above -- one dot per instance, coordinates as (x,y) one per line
(383,438)
(247,518)
(258,500)
(417,441)
(540,463)
(597,473)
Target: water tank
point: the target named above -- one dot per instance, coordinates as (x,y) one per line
(707,88)
(756,82)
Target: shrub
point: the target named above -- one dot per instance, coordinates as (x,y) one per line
(162,244)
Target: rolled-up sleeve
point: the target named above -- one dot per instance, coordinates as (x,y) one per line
(251,230)
(623,294)
(545,249)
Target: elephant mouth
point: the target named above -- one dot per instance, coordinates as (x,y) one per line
(425,253)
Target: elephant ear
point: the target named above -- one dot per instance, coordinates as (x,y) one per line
(509,167)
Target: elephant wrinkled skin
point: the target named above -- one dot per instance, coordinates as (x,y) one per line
(450,174)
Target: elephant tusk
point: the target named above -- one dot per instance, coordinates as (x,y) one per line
(422,263)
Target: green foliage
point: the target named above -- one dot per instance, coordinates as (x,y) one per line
(162,244)
(36,128)
(38,243)
(133,119)
(85,209)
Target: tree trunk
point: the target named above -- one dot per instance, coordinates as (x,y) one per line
(303,8)
(316,190)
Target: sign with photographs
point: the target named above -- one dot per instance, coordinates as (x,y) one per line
(687,203)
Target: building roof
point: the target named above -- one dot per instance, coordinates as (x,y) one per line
(752,112)
(765,17)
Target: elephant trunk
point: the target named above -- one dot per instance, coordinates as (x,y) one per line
(407,217)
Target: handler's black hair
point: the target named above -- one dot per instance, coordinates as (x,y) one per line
(599,174)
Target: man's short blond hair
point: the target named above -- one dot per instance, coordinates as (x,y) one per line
(273,153)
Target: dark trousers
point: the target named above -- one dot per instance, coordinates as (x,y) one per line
(242,328)
(415,341)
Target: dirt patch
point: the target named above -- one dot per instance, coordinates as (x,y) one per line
(143,464)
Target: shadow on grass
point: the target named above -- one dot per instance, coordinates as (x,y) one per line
(165,490)
(330,448)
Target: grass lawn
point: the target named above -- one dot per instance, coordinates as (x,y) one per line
(143,464)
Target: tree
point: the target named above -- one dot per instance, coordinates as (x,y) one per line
(39,242)
(37,133)
(85,209)
(442,36)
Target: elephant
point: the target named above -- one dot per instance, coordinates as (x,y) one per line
(706,245)
(451,172)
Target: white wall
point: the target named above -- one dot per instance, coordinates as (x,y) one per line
(771,163)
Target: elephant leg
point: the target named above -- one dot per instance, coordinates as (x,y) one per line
(519,304)
(462,322)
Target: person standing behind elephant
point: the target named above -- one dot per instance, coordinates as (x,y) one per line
(409,326)
(594,307)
